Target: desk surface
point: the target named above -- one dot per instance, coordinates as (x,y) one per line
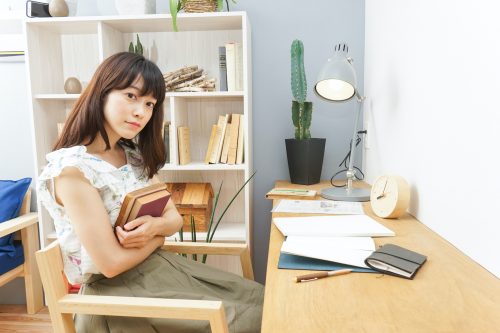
(450,293)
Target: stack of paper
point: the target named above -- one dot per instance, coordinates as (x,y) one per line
(345,250)
(333,226)
(344,239)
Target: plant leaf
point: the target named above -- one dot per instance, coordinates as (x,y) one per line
(174,8)
(219,5)
(228,205)
(131,47)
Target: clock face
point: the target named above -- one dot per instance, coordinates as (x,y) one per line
(390,196)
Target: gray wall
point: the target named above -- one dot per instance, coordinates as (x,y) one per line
(319,24)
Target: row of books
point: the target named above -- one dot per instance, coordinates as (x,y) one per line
(231,67)
(226,140)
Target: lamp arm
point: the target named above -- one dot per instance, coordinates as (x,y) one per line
(350,171)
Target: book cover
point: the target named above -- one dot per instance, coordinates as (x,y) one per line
(222,69)
(239,149)
(225,145)
(184,145)
(233,138)
(238,66)
(166,140)
(231,67)
(131,197)
(219,138)
(152,204)
(290,261)
(210,144)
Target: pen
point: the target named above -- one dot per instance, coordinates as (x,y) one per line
(320,275)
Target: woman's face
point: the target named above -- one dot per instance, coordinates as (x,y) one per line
(126,113)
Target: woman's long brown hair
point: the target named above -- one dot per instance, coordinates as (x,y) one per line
(86,120)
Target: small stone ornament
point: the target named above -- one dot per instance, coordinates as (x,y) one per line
(72,86)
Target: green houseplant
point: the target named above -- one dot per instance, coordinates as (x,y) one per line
(305,154)
(214,222)
(198,6)
(137,49)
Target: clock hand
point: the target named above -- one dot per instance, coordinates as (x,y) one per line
(383,191)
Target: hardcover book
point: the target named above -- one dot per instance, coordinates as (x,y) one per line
(222,69)
(150,200)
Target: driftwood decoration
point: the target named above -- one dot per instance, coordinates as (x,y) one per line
(189,78)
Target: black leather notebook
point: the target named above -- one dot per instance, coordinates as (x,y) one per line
(395,260)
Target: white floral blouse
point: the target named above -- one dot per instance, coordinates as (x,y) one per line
(111,182)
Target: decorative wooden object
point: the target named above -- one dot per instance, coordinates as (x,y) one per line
(193,199)
(200,6)
(189,78)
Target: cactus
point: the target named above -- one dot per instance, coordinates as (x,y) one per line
(137,49)
(301,110)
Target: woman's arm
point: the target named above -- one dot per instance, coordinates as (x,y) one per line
(138,232)
(88,215)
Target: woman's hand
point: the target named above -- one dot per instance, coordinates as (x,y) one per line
(138,232)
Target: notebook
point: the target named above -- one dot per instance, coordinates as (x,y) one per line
(150,200)
(395,260)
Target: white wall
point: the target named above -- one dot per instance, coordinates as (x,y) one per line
(432,77)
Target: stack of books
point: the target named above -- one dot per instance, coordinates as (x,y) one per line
(226,140)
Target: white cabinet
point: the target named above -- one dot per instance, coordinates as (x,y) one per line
(58,48)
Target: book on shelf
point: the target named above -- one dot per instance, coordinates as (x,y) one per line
(233,138)
(238,69)
(222,69)
(60,127)
(184,145)
(239,149)
(225,144)
(219,138)
(166,140)
(150,200)
(210,144)
(234,66)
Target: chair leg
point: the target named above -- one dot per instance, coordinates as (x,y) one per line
(32,281)
(218,322)
(62,322)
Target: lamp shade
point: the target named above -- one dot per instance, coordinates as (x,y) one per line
(337,78)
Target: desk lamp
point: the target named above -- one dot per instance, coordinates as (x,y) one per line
(337,83)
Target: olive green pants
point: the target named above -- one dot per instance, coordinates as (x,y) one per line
(167,275)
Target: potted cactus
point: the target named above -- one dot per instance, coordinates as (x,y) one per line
(305,154)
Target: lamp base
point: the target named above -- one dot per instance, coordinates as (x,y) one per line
(341,194)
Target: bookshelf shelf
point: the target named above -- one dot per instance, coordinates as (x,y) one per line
(203,167)
(209,95)
(58,48)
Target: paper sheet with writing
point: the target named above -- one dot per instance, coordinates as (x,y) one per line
(318,207)
(332,226)
(344,250)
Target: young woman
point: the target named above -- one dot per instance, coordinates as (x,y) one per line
(111,144)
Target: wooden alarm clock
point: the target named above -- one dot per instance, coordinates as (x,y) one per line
(390,196)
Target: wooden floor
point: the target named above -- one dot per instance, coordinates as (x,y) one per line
(14,319)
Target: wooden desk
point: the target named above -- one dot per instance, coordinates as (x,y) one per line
(451,293)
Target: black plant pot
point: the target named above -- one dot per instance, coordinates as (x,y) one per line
(305,160)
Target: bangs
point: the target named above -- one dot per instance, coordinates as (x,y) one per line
(153,82)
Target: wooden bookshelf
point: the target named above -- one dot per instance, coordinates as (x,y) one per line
(74,46)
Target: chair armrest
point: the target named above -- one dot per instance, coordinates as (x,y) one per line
(235,249)
(18,223)
(212,311)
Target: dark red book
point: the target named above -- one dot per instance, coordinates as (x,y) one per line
(150,200)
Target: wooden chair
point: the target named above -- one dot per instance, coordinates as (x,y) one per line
(27,224)
(62,305)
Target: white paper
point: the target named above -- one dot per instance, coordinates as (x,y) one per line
(318,207)
(328,226)
(344,250)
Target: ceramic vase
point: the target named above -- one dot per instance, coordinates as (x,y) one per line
(134,7)
(58,8)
